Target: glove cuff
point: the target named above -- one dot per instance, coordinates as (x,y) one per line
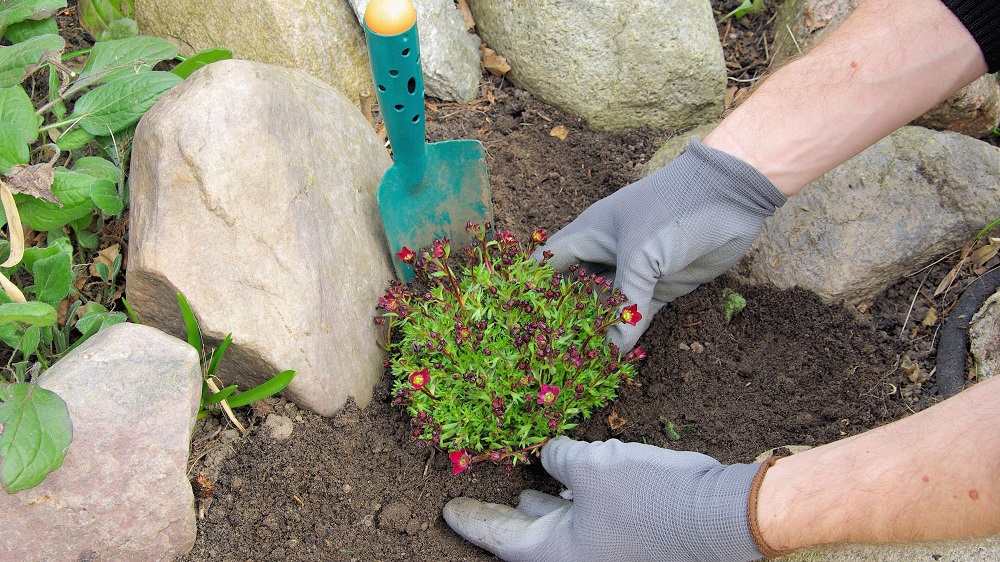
(755,534)
(744,179)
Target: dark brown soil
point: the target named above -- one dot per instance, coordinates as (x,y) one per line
(787,370)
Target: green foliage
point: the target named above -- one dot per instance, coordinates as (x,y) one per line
(64,151)
(35,432)
(732,304)
(101,16)
(993,224)
(494,353)
(748,7)
(212,395)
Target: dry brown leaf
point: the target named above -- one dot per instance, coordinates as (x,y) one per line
(34,180)
(107,257)
(494,63)
(463,7)
(931,318)
(983,254)
(560,132)
(615,421)
(945,283)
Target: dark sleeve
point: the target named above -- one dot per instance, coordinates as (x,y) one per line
(982,19)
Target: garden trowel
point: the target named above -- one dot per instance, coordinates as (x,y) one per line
(432,190)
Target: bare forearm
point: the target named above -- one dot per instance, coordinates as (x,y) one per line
(888,63)
(880,486)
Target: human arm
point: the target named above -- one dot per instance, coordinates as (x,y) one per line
(931,476)
(888,63)
(694,219)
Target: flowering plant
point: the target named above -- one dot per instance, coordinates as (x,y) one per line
(494,353)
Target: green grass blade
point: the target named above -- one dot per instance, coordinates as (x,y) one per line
(217,354)
(218,396)
(270,388)
(190,323)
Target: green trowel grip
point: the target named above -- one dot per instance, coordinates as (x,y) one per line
(399,86)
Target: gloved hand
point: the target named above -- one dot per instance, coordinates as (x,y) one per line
(631,503)
(669,232)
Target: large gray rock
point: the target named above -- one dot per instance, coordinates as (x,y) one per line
(122,491)
(253,194)
(321,38)
(449,54)
(799,24)
(618,64)
(909,199)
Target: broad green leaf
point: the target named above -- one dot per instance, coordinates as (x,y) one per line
(276,384)
(15,59)
(96,318)
(14,11)
(122,102)
(22,31)
(29,341)
(17,110)
(119,57)
(35,253)
(96,15)
(10,334)
(120,29)
(99,168)
(73,139)
(13,148)
(104,194)
(53,277)
(201,59)
(72,189)
(35,436)
(87,239)
(34,313)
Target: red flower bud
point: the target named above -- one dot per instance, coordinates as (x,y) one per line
(406,255)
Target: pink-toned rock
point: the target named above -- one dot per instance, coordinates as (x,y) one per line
(122,492)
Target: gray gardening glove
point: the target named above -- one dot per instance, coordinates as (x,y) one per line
(631,503)
(667,233)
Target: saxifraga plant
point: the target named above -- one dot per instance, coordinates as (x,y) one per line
(494,353)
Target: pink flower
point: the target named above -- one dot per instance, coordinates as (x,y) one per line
(438,249)
(406,255)
(460,460)
(636,354)
(419,378)
(388,302)
(630,315)
(547,394)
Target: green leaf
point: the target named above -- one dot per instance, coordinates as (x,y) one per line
(34,313)
(746,8)
(120,29)
(121,102)
(104,194)
(14,11)
(96,15)
(98,168)
(16,109)
(190,323)
(96,318)
(35,436)
(53,277)
(219,396)
(16,59)
(73,139)
(29,341)
(22,31)
(71,188)
(201,59)
(213,365)
(276,384)
(87,239)
(13,148)
(120,57)
(35,253)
